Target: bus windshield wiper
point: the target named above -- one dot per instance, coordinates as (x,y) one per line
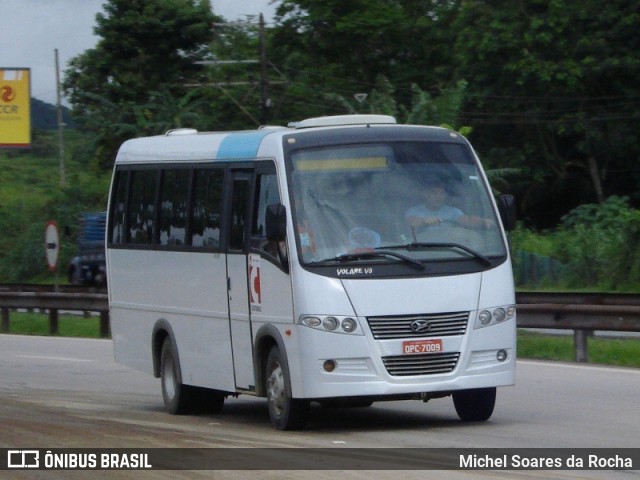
(346,257)
(427,245)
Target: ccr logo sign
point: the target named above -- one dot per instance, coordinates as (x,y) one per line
(23,459)
(7,94)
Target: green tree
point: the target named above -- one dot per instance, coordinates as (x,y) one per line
(553,90)
(333,46)
(145,46)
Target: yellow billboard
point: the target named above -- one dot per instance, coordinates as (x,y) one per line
(15,107)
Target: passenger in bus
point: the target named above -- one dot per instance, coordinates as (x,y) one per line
(434,211)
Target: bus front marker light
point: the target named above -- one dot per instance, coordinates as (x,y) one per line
(330,323)
(501,356)
(349,325)
(485,317)
(511,312)
(329,365)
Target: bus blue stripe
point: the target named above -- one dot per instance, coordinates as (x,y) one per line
(241,145)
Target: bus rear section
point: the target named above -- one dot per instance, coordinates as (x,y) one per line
(345,261)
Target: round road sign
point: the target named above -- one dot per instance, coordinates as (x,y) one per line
(52,244)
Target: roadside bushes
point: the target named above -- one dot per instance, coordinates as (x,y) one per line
(596,246)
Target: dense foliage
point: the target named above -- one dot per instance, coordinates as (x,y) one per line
(595,245)
(132,82)
(550,86)
(545,89)
(30,196)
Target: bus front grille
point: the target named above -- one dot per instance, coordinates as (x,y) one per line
(423,364)
(411,326)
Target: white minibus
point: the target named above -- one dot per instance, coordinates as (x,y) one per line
(338,261)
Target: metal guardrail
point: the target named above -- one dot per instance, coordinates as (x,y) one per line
(583,312)
(54,302)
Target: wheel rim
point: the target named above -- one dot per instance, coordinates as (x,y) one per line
(169,380)
(276,390)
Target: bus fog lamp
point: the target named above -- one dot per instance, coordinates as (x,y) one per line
(501,356)
(330,323)
(329,365)
(349,325)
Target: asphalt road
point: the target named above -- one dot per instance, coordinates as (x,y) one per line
(69,393)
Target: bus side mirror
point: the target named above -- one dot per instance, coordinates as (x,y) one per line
(276,222)
(507,210)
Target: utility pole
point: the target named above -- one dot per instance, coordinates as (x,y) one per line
(63,181)
(264,79)
(263,83)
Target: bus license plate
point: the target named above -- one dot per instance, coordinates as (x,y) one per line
(422,346)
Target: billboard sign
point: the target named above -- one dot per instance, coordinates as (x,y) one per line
(15,108)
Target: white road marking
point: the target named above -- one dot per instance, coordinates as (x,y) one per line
(60,359)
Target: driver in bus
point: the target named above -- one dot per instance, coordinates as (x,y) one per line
(434,211)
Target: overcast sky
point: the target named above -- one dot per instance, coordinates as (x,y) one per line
(31,30)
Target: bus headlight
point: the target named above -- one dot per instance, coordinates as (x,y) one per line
(494,316)
(499,314)
(349,325)
(484,317)
(332,323)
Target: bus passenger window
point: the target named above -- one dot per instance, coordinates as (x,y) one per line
(142,206)
(205,223)
(173,207)
(116,234)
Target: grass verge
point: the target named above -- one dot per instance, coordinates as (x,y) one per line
(32,323)
(624,352)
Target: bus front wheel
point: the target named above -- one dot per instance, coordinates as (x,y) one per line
(286,413)
(475,405)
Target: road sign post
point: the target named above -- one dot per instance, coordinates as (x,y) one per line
(52,247)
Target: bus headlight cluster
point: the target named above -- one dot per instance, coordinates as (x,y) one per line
(331,323)
(495,316)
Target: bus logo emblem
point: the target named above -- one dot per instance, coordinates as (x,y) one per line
(420,326)
(255,295)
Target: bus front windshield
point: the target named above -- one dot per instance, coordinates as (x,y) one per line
(400,201)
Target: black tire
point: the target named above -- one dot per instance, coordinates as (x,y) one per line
(178,398)
(475,405)
(286,413)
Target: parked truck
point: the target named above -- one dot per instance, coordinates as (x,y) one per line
(88,267)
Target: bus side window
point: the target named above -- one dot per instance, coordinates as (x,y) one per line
(207,208)
(266,194)
(173,207)
(142,206)
(117,229)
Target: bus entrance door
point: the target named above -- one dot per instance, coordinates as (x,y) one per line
(237,282)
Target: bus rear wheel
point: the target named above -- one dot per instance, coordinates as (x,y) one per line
(286,413)
(178,398)
(475,405)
